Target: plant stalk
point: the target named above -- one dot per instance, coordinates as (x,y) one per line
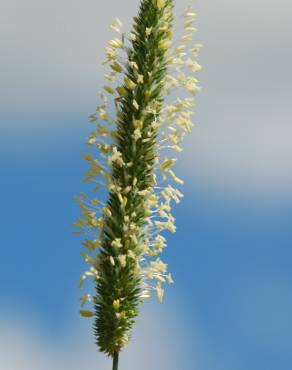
(116,361)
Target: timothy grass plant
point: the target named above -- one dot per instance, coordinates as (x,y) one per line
(152,85)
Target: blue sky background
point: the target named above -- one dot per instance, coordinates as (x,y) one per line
(230,307)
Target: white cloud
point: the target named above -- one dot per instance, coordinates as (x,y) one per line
(52,51)
(157,344)
(242,152)
(51,63)
(242,144)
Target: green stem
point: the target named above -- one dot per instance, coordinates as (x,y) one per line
(116,361)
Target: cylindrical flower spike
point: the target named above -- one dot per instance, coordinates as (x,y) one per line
(121,273)
(124,230)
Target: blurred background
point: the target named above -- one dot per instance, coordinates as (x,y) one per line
(230,307)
